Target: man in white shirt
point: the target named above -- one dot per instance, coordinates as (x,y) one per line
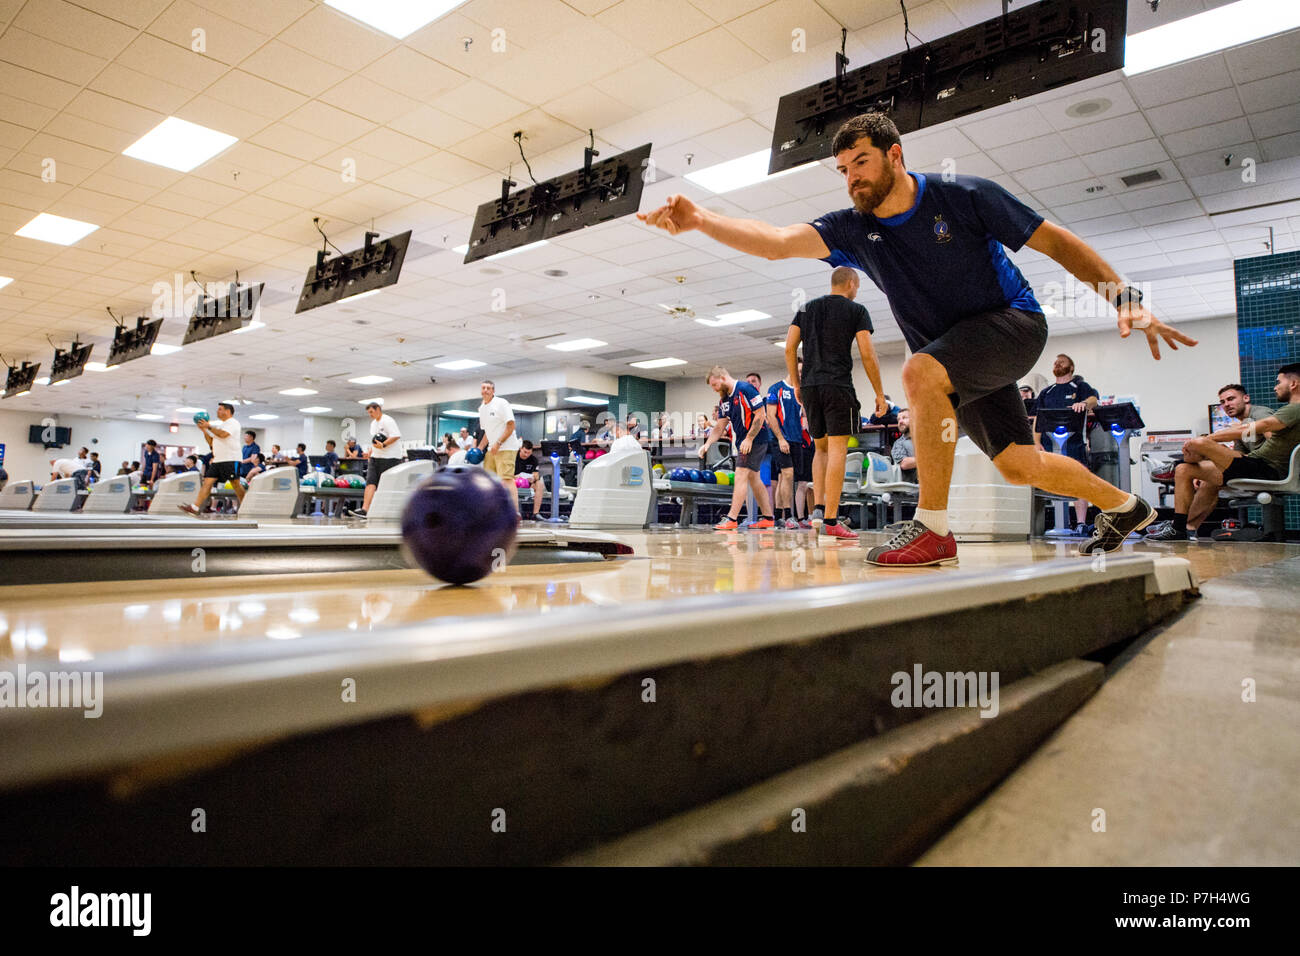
(224,437)
(384,452)
(69,468)
(499,442)
(465,440)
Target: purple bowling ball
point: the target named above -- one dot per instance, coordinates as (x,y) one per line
(460,525)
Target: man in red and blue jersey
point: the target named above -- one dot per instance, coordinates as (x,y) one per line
(742,407)
(785,420)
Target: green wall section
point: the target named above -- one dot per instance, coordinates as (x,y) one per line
(1268,331)
(644,395)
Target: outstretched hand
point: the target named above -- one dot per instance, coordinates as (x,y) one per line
(678,214)
(1137,317)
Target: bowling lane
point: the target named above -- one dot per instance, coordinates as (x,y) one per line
(38,624)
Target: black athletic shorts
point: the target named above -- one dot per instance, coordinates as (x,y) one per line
(754,460)
(803,461)
(831,410)
(1249,467)
(377,466)
(780,460)
(222,471)
(985,357)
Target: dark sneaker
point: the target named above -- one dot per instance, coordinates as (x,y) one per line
(915,546)
(1112,527)
(355,512)
(791,524)
(1164,531)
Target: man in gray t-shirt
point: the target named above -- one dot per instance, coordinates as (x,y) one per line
(903,453)
(1236,404)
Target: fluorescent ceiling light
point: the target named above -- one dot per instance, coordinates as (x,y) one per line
(56,229)
(517,250)
(462,249)
(43,380)
(179,145)
(658,363)
(526,408)
(739,173)
(1206,33)
(98,367)
(250,326)
(146,417)
(574,344)
(298,391)
(161,348)
(587,400)
(397,18)
(187,410)
(366,401)
(458,413)
(460,365)
(735,318)
(314,409)
(4,281)
(62,381)
(28,391)
(263,417)
(360,295)
(370,380)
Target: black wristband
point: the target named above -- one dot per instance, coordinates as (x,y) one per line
(1125,296)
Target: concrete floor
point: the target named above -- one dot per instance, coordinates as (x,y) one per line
(1186,772)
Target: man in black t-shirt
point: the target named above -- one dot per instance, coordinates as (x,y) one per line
(828,327)
(526,466)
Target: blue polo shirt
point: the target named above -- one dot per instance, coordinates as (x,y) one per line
(740,408)
(942,260)
(331,461)
(148,460)
(781,397)
(247,452)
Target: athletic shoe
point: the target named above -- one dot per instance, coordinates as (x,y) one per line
(1164,531)
(1114,526)
(838,530)
(792,525)
(762,524)
(190,510)
(805,523)
(356,512)
(726,524)
(1081,530)
(915,546)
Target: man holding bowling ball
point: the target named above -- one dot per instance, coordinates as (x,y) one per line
(526,466)
(499,442)
(223,437)
(383,453)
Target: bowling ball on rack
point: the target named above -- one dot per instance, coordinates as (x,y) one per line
(708,477)
(200,417)
(658,470)
(356,481)
(474,456)
(308,482)
(697,475)
(678,474)
(342,483)
(460,525)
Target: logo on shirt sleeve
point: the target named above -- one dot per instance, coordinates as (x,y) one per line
(874,236)
(942,231)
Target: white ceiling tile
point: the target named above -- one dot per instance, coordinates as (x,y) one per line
(711,57)
(1109,133)
(1054,174)
(292,68)
(1011,125)
(1058,105)
(1180,81)
(24,49)
(655,28)
(74,26)
(1033,152)
(224,40)
(140,90)
(161,60)
(1270,123)
(330,36)
(1285,146)
(1203,138)
(1195,111)
(1123,159)
(1254,61)
(414,74)
(770,29)
(366,98)
(1213,161)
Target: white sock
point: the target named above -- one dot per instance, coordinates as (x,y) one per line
(1126,506)
(936,521)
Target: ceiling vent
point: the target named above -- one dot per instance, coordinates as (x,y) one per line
(1141,179)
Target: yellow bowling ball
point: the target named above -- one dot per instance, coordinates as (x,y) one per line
(723,477)
(853,441)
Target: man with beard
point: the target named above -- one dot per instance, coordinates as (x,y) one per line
(935,247)
(1206,460)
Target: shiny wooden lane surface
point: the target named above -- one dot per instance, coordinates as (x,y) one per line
(42,624)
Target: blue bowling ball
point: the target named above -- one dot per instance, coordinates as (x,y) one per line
(677,474)
(474,456)
(708,477)
(695,474)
